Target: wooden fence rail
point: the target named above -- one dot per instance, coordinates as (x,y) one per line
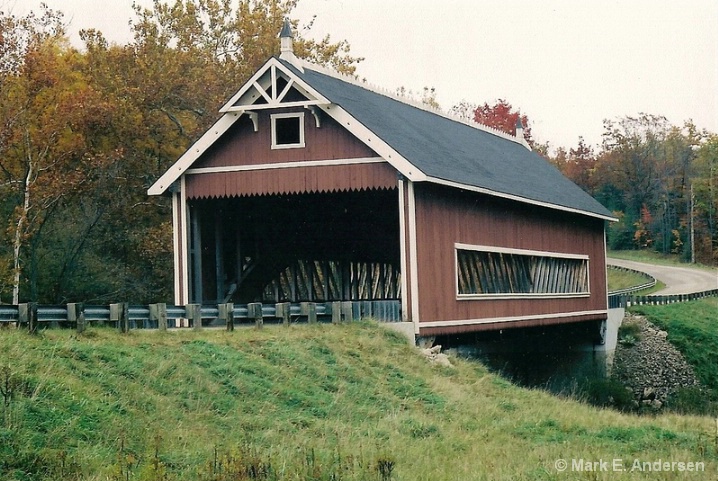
(162,316)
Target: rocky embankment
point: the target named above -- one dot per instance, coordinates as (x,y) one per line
(648,364)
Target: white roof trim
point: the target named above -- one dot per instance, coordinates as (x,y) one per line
(517,198)
(193,153)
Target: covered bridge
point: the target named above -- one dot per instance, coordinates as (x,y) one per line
(313,186)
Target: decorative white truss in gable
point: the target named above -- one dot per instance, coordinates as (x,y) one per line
(276,86)
(271,87)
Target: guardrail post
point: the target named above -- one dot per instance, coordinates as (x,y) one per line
(194,314)
(309,309)
(22,315)
(158,314)
(283,312)
(347,313)
(336,312)
(27,314)
(76,314)
(120,313)
(226,313)
(254,311)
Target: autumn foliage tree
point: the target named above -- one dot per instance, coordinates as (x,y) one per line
(50,113)
(502,116)
(86,132)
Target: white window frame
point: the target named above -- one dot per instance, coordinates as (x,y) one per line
(525,252)
(300,116)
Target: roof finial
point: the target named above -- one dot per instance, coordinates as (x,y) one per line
(286,38)
(520,136)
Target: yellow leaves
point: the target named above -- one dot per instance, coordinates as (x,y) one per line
(96,127)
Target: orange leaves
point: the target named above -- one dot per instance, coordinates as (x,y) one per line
(502,116)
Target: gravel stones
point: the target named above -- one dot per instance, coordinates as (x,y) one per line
(648,364)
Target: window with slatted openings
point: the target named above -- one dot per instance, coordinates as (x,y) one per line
(484,271)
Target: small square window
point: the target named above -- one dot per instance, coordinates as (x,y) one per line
(288,131)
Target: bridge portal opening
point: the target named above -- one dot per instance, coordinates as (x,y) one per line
(314,247)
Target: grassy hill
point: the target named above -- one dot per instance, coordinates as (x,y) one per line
(319,402)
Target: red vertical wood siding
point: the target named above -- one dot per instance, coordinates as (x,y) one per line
(446,216)
(328,178)
(241,145)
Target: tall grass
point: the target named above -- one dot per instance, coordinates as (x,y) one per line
(316,402)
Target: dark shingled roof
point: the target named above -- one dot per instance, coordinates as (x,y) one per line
(453,151)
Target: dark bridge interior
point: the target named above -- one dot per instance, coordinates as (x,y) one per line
(305,247)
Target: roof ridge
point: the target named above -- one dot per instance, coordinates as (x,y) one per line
(377,89)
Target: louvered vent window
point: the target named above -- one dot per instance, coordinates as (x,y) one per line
(509,272)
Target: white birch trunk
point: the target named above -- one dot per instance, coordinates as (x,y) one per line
(19,234)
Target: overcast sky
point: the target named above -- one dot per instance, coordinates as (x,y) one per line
(566,64)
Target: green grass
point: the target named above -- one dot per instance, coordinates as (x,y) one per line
(620,279)
(313,402)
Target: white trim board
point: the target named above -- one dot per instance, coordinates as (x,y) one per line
(176,243)
(285,165)
(184,244)
(493,320)
(402,252)
(413,258)
(523,252)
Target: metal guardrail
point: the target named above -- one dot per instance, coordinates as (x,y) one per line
(628,290)
(141,316)
(616,301)
(623,298)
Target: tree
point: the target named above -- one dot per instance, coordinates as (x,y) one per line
(502,116)
(705,200)
(643,171)
(44,155)
(85,133)
(580,166)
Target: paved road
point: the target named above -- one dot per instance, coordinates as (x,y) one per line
(678,280)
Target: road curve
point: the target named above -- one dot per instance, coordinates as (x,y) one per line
(678,280)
